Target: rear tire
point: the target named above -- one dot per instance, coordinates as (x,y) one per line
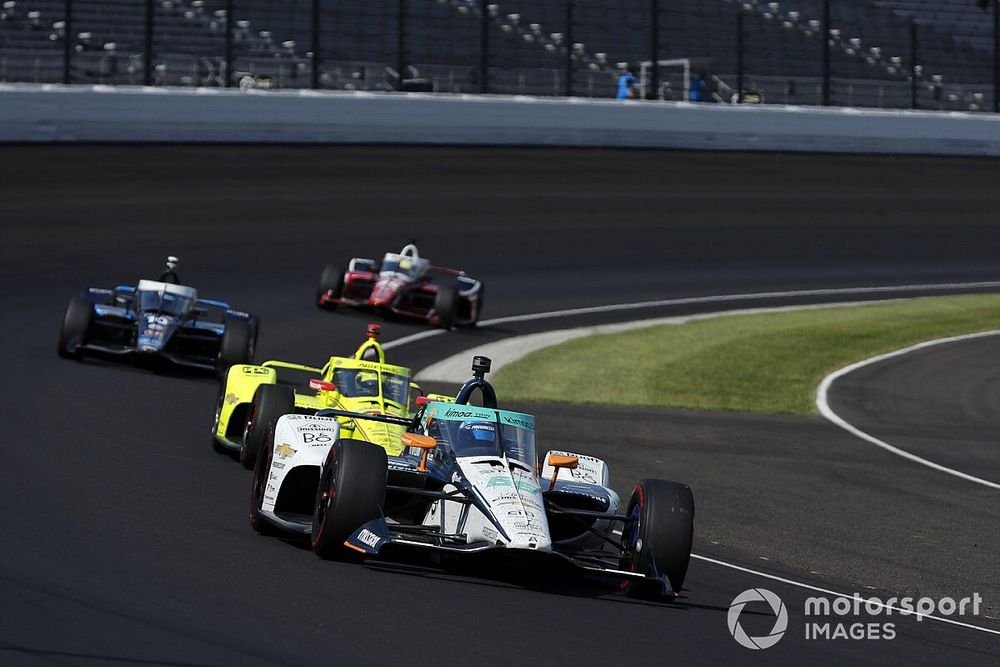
(658,536)
(330,281)
(351,493)
(446,305)
(258,484)
(236,346)
(270,401)
(75,326)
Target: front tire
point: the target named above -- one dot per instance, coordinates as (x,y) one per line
(270,401)
(219,403)
(236,346)
(331,282)
(657,536)
(75,326)
(479,305)
(351,493)
(446,305)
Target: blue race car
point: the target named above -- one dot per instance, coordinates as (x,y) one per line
(158,322)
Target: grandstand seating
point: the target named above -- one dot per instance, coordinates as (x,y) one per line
(529,43)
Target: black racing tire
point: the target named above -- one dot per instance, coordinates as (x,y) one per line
(270,401)
(331,280)
(446,305)
(75,327)
(658,535)
(236,346)
(351,493)
(254,337)
(258,484)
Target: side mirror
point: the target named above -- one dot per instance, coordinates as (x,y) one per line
(424,442)
(560,461)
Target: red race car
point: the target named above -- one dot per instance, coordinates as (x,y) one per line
(403,284)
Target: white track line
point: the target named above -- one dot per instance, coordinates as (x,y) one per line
(736,297)
(810,587)
(505,351)
(824,406)
(412,338)
(717,298)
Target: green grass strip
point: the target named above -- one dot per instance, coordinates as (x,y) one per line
(769,363)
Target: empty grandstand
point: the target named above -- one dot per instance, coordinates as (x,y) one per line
(934,54)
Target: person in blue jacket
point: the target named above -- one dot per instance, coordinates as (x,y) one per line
(627,86)
(699,92)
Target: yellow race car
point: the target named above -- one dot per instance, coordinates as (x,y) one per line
(251,399)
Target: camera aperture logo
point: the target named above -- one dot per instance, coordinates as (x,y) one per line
(780,621)
(843,617)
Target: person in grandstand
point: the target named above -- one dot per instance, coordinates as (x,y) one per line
(627,89)
(699,88)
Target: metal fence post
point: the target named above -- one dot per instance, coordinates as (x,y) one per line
(913,64)
(826,54)
(484,47)
(147,65)
(569,48)
(401,41)
(654,48)
(67,40)
(315,44)
(739,56)
(229,43)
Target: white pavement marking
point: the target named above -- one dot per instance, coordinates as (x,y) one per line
(739,297)
(736,297)
(822,402)
(810,587)
(455,369)
(412,338)
(717,298)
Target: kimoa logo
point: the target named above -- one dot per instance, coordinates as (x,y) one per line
(780,621)
(452,412)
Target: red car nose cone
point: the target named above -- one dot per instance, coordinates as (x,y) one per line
(384,292)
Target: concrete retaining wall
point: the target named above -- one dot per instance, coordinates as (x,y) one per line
(53,113)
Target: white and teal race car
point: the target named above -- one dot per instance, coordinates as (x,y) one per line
(468,484)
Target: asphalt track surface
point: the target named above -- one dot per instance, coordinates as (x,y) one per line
(940,404)
(125,539)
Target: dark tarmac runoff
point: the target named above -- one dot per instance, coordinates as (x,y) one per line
(125,538)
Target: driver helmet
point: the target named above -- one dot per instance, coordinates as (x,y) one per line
(367,382)
(476,433)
